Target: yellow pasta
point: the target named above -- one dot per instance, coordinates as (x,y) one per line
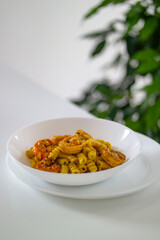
(75,154)
(69,157)
(91,166)
(92,154)
(54,154)
(64,169)
(73,168)
(63,161)
(33,163)
(86,150)
(102,165)
(83,168)
(29,153)
(81,158)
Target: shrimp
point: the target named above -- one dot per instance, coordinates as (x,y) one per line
(83,135)
(112,157)
(42,148)
(70,145)
(56,139)
(96,144)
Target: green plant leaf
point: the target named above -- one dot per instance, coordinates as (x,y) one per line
(153,88)
(157,3)
(146,67)
(152,116)
(145,54)
(132,44)
(136,10)
(135,13)
(101,5)
(104,89)
(103,114)
(149,28)
(99,47)
(113,112)
(102,34)
(137,126)
(131,23)
(147,61)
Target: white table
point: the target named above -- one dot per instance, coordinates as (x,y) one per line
(26,213)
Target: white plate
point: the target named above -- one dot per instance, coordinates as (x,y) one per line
(141,173)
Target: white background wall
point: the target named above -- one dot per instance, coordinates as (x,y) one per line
(41,39)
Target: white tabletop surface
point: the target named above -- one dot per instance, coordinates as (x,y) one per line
(26,213)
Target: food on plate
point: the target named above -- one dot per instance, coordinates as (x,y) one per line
(79,153)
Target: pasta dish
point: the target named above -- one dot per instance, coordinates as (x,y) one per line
(79,153)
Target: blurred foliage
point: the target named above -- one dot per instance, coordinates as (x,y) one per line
(140,34)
